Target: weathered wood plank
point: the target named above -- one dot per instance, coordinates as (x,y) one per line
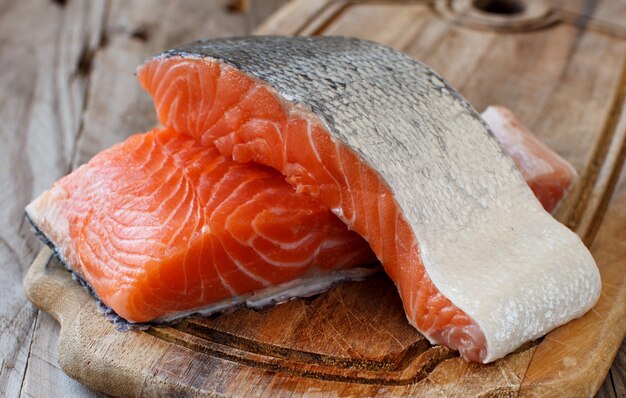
(614,385)
(618,372)
(54,66)
(118,107)
(43,91)
(44,377)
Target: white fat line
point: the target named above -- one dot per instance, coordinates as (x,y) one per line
(276,132)
(116,243)
(281,264)
(151,150)
(228,287)
(97,258)
(235,191)
(234,214)
(189,105)
(245,271)
(349,222)
(189,196)
(169,96)
(158,93)
(399,242)
(282,245)
(283,140)
(225,111)
(154,169)
(215,263)
(200,106)
(171,196)
(317,154)
(216,187)
(184,267)
(130,227)
(330,243)
(104,237)
(156,77)
(172,120)
(113,231)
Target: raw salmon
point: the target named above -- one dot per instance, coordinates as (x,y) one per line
(548,175)
(400,158)
(264,138)
(161,226)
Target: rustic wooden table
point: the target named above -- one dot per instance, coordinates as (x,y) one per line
(67,92)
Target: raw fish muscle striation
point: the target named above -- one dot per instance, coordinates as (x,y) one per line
(161,226)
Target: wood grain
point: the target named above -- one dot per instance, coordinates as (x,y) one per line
(43,87)
(550,77)
(68,92)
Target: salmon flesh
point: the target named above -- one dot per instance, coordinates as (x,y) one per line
(548,175)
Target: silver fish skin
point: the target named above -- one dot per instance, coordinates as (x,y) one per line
(485,240)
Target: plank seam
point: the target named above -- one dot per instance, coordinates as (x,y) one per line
(30,351)
(340,8)
(588,22)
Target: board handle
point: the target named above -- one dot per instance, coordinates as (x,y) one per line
(47,286)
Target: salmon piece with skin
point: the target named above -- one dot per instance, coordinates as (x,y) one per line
(248,123)
(160,226)
(363,129)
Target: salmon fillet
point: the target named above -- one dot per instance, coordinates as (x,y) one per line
(161,226)
(548,175)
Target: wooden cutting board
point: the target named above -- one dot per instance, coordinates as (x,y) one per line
(563,72)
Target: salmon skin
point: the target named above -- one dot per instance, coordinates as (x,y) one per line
(401,158)
(335,125)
